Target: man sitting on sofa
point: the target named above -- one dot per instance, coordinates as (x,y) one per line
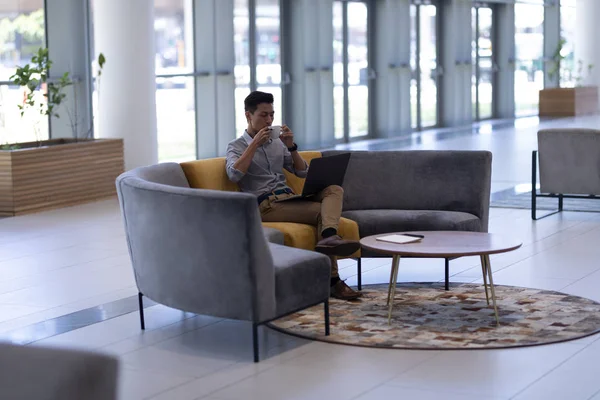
(255,162)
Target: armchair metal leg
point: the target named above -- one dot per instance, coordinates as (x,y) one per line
(534,194)
(447,273)
(326,310)
(255,341)
(359,273)
(141,305)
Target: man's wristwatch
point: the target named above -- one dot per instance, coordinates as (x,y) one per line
(293,148)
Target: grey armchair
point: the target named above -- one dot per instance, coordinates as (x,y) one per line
(205,251)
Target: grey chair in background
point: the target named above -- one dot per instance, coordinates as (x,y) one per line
(205,251)
(41,373)
(569,162)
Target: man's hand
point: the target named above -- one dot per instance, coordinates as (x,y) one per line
(287,136)
(262,136)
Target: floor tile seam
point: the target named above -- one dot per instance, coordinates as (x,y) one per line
(442,391)
(364,392)
(386,382)
(150,397)
(57,280)
(580,279)
(68,266)
(549,371)
(156,329)
(76,329)
(211,394)
(36,254)
(594,395)
(67,305)
(529,256)
(562,231)
(79,300)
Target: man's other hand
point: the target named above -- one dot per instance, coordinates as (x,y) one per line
(287,136)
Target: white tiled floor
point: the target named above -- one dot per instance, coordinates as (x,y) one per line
(58,262)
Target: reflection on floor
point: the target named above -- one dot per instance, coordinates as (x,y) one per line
(55,264)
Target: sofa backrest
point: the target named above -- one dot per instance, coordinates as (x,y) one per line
(418,180)
(210,173)
(197,250)
(165,174)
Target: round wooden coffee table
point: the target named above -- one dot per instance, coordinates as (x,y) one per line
(447,245)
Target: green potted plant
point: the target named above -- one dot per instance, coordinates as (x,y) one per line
(33,77)
(45,174)
(564,101)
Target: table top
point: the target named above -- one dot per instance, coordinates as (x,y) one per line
(444,244)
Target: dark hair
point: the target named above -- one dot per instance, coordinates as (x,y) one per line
(255,98)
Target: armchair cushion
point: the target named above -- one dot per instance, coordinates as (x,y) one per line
(208,174)
(303,236)
(299,277)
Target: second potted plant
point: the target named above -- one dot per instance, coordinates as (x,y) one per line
(567,101)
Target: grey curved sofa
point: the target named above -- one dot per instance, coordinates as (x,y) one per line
(391,191)
(205,251)
(416,190)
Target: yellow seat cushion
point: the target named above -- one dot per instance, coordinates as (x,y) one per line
(208,174)
(304,236)
(211,174)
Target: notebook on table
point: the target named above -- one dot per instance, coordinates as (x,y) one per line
(323,172)
(400,238)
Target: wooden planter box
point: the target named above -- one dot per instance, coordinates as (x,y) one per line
(58,173)
(568,102)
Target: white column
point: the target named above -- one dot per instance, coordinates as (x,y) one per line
(124,32)
(505,56)
(587,47)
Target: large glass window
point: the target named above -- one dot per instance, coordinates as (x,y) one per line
(268,57)
(241,39)
(424,65)
(22,33)
(338,69)
(175,104)
(484,67)
(529,68)
(569,68)
(351,72)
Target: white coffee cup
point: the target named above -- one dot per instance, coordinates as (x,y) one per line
(275,132)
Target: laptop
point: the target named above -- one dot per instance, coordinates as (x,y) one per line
(323,172)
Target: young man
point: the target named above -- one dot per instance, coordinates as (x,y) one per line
(255,162)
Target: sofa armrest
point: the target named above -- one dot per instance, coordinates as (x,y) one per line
(198,250)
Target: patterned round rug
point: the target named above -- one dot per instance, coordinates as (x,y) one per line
(425,316)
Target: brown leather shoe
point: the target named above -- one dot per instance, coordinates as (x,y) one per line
(343,292)
(336,246)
